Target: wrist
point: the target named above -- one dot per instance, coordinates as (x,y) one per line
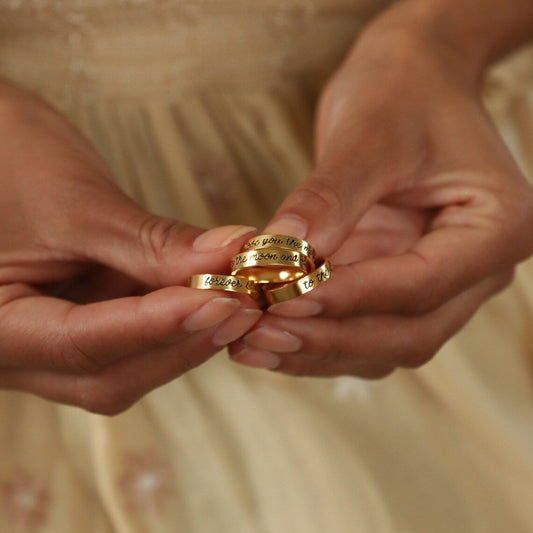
(469,35)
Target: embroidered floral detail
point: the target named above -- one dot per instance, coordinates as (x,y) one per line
(146,482)
(25,500)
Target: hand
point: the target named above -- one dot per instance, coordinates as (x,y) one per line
(417,201)
(92,308)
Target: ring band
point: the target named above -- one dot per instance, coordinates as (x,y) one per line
(272,258)
(272,268)
(302,285)
(272,275)
(280,241)
(223,282)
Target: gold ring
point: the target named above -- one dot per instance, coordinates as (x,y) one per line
(274,257)
(272,275)
(280,241)
(302,285)
(272,268)
(222,282)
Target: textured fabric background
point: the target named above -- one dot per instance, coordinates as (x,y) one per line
(204,111)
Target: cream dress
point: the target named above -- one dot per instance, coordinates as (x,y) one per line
(204,109)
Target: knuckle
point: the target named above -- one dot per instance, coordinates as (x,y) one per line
(424,301)
(71,355)
(418,347)
(342,342)
(322,191)
(342,351)
(95,395)
(511,216)
(74,359)
(425,294)
(155,233)
(187,361)
(416,357)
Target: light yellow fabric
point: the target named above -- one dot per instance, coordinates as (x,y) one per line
(204,110)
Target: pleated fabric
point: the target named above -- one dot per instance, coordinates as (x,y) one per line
(204,109)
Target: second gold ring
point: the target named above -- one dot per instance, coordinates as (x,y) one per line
(285,242)
(272,265)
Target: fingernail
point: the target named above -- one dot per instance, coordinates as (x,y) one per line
(219,237)
(257,358)
(292,225)
(274,340)
(210,314)
(236,327)
(296,308)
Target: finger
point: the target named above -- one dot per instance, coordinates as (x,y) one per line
(344,183)
(443,264)
(383,340)
(43,332)
(97,283)
(322,211)
(160,251)
(117,386)
(90,219)
(296,365)
(382,231)
(156,250)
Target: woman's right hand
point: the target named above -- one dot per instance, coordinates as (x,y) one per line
(93,307)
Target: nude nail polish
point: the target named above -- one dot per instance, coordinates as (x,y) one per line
(288,225)
(210,314)
(236,327)
(219,237)
(255,358)
(274,340)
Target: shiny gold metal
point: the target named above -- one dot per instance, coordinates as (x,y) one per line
(305,284)
(224,283)
(267,275)
(271,258)
(285,242)
(273,268)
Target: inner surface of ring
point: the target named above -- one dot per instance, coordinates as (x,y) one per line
(271,275)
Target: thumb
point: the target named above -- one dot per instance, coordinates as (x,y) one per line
(326,206)
(156,250)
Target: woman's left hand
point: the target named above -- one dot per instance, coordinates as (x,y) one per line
(414,198)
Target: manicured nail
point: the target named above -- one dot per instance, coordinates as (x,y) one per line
(219,237)
(211,314)
(292,225)
(257,358)
(296,308)
(235,328)
(274,340)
